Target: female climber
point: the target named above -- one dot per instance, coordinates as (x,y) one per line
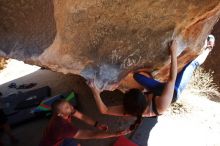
(159,95)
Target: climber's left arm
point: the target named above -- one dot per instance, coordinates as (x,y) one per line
(111,110)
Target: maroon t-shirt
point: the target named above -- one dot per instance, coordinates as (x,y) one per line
(57,130)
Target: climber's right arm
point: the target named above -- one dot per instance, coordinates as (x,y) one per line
(163,102)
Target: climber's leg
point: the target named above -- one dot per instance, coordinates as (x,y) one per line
(185,75)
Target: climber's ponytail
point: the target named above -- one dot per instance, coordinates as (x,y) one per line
(135,104)
(136,123)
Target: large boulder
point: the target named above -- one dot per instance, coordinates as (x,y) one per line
(104,39)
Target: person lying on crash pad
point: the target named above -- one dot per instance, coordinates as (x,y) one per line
(62,132)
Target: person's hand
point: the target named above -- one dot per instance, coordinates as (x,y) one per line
(91,84)
(173,47)
(112,87)
(124,132)
(102,127)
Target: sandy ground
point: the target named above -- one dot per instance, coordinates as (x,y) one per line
(197,124)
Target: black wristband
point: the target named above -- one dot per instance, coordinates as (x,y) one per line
(96,124)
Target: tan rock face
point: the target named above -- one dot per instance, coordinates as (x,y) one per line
(104,39)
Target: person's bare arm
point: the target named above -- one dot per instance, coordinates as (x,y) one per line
(89,120)
(88,134)
(165,99)
(111,110)
(84,118)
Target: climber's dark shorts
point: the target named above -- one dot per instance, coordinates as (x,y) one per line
(3,118)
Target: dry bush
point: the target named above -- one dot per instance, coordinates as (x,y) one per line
(3,63)
(180,107)
(202,84)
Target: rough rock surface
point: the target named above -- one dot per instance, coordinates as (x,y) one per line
(104,39)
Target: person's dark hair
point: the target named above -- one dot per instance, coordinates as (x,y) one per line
(55,105)
(135,104)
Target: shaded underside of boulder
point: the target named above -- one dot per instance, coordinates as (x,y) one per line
(214,59)
(105,39)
